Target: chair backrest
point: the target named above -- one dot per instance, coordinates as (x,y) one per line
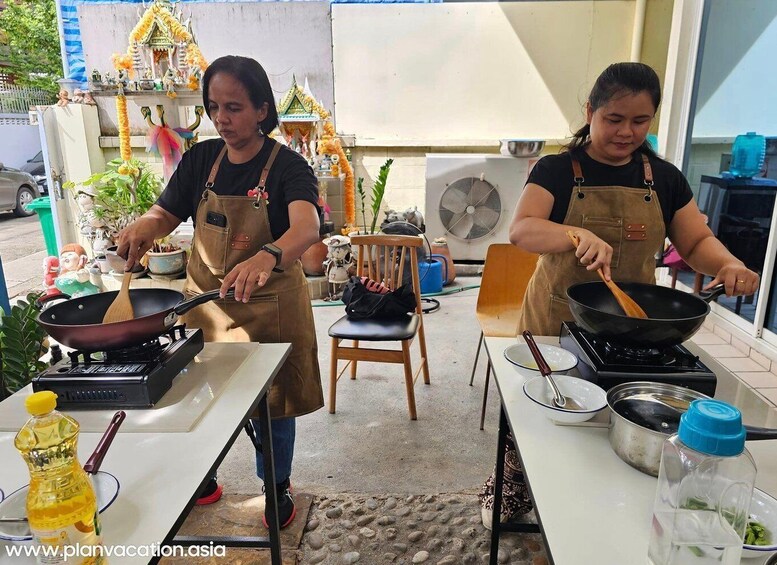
(506,275)
(386,259)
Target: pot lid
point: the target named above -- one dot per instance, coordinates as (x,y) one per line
(654,406)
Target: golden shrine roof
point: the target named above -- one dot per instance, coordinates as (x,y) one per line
(295,105)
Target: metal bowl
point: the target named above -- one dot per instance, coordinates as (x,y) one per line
(521,147)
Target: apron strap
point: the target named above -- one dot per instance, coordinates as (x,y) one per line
(215,168)
(579,180)
(259,189)
(648,170)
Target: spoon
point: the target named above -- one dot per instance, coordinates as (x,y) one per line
(630,307)
(559,400)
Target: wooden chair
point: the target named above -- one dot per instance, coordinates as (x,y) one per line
(506,275)
(390,258)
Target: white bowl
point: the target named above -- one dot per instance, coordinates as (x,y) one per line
(558,359)
(763,509)
(585,393)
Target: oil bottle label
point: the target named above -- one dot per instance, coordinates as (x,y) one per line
(79,544)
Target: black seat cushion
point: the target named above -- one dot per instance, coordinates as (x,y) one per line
(375,330)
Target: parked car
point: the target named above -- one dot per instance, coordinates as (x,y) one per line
(17,190)
(37,169)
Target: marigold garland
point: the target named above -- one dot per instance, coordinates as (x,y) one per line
(124,134)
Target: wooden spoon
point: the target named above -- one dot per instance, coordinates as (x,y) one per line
(121,308)
(630,307)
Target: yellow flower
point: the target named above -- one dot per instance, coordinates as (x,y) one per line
(124,137)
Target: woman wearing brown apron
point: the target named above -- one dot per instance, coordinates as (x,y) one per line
(611,189)
(254,206)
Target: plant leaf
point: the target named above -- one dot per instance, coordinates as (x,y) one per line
(378,191)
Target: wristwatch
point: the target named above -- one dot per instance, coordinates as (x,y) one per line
(276,252)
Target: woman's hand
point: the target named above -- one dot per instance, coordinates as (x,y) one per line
(138,237)
(251,273)
(738,279)
(593,252)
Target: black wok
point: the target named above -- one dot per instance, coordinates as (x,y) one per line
(78,323)
(673,315)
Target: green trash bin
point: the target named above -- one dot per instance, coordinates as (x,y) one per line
(42,206)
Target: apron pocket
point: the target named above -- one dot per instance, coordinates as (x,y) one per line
(609,230)
(212,243)
(259,319)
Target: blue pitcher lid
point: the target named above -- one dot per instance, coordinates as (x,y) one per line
(713,427)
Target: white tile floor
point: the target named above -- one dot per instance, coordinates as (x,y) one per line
(749,366)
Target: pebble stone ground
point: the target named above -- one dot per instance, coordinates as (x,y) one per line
(442,529)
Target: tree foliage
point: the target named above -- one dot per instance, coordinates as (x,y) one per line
(30,35)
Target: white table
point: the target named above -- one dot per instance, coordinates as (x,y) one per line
(592,507)
(162,473)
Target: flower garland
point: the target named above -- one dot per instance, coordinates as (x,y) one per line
(125,149)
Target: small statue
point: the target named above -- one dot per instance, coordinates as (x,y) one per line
(74,277)
(335,168)
(64,98)
(78,96)
(96,78)
(339,260)
(168,81)
(88,99)
(50,272)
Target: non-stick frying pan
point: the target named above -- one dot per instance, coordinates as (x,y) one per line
(673,315)
(77,323)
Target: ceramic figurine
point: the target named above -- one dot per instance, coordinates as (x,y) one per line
(78,96)
(335,168)
(88,99)
(74,277)
(64,98)
(50,272)
(339,261)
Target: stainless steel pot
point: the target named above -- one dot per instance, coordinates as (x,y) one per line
(644,414)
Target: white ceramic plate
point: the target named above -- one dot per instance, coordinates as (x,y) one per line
(763,509)
(557,358)
(106,488)
(588,395)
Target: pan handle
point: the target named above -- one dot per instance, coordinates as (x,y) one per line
(713,293)
(754,433)
(183,307)
(96,459)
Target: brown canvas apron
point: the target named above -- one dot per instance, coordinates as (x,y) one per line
(629,219)
(279,312)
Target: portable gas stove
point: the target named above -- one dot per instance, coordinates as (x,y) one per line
(136,377)
(608,364)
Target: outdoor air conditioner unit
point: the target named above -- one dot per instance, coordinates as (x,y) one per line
(470,200)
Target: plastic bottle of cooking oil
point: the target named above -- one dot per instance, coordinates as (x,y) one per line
(705,484)
(61,505)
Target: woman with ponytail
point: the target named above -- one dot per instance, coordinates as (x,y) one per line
(621,200)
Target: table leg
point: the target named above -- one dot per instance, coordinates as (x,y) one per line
(270,494)
(496,521)
(273,542)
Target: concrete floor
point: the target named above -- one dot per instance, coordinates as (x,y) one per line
(370,445)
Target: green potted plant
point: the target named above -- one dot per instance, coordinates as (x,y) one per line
(112,199)
(376,198)
(166,257)
(22,343)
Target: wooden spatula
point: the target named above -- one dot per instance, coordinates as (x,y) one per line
(121,309)
(630,308)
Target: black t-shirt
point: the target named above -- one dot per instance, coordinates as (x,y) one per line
(554,174)
(290,179)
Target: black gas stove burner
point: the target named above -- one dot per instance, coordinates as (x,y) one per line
(608,364)
(135,377)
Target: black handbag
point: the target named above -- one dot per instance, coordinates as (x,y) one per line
(363,304)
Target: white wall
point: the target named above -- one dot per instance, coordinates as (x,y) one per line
(288,38)
(739,70)
(19,140)
(465,73)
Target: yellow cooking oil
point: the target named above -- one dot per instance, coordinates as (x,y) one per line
(61,505)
